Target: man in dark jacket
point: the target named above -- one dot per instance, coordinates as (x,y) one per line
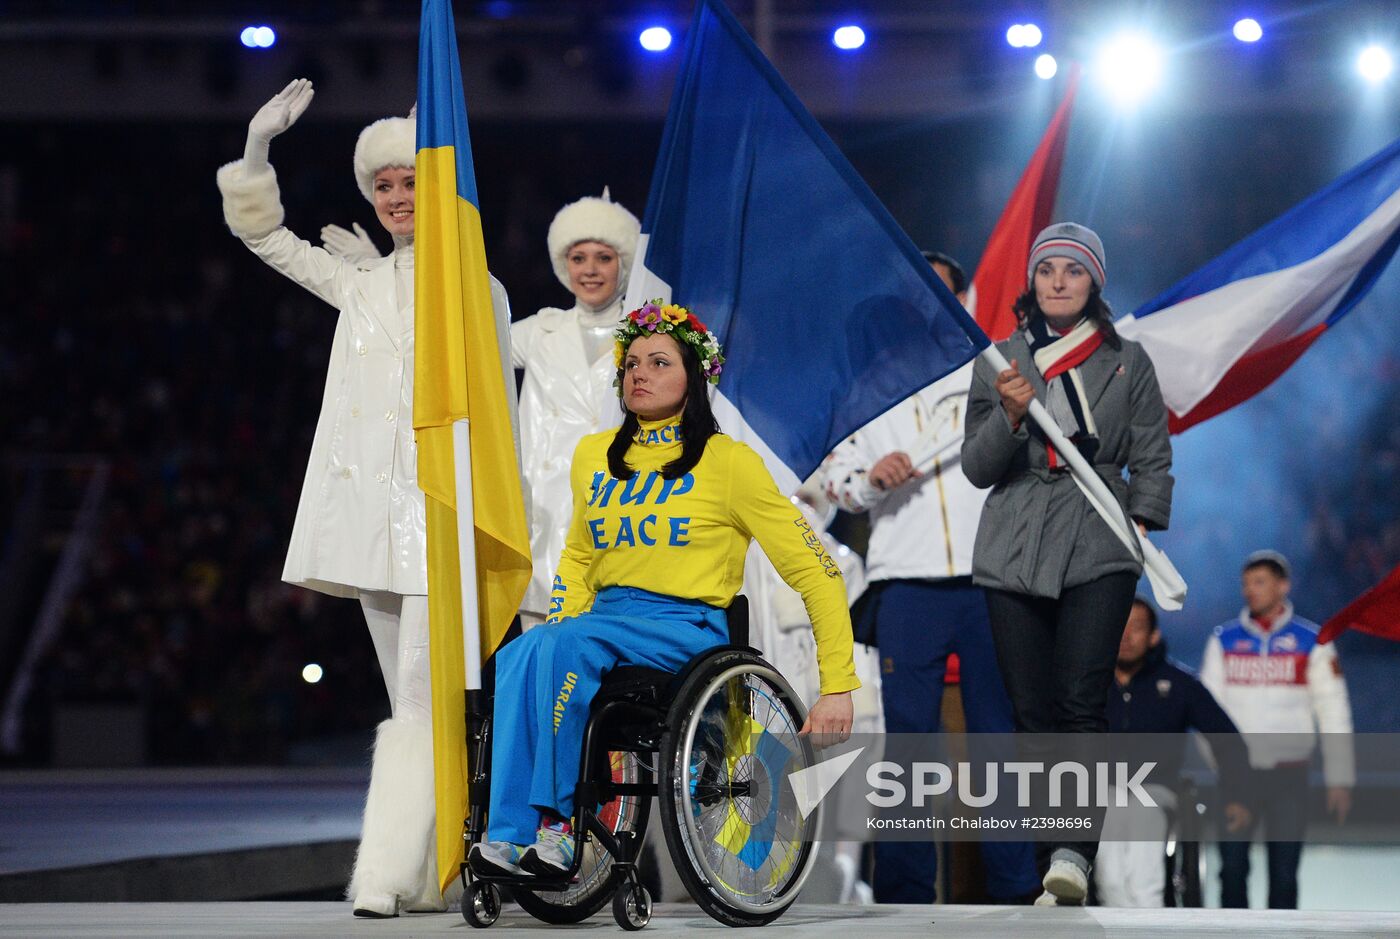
(1151,695)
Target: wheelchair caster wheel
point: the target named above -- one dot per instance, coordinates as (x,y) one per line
(482,904)
(632,907)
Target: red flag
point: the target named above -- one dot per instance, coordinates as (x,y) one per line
(1377,611)
(1001,275)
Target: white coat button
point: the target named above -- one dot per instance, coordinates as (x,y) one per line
(354,412)
(345,472)
(382,477)
(388,415)
(363,350)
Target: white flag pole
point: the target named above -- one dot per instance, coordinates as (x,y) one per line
(466,552)
(1167,584)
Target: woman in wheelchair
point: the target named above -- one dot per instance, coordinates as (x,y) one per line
(664,509)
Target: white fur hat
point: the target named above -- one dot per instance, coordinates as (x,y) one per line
(390,141)
(593,219)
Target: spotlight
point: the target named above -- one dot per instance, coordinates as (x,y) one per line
(1130,66)
(311,674)
(1023,36)
(264,37)
(1046,66)
(848,37)
(655,39)
(1375,64)
(1248,30)
(249,37)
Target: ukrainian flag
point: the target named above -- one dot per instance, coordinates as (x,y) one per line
(458,373)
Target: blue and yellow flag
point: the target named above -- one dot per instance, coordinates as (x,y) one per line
(458,374)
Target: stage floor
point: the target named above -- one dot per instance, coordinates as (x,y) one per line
(178,834)
(82,920)
(77,818)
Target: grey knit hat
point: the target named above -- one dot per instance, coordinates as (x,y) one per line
(1269,556)
(1069,240)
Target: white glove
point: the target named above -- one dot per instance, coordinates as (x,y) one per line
(352,246)
(272,119)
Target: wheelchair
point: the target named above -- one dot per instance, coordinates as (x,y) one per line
(1185,864)
(713,743)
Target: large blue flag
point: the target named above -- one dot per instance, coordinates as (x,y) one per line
(828,313)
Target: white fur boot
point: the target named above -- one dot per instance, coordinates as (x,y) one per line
(429,898)
(398,823)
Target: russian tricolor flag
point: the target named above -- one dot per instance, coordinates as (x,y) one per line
(1225,332)
(828,314)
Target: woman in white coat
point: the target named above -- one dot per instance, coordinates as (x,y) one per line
(360,529)
(567,356)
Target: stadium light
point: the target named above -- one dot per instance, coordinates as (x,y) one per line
(655,39)
(1130,67)
(848,37)
(1024,36)
(1046,66)
(1248,30)
(1375,64)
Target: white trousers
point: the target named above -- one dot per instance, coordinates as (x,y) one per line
(396,865)
(399,627)
(1133,873)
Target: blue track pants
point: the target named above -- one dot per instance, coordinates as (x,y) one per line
(546,679)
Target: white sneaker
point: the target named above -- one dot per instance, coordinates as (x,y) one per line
(1046,899)
(552,853)
(495,857)
(1066,882)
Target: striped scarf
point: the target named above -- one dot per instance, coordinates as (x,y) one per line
(1058,358)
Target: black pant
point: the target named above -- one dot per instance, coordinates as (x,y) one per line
(1283,808)
(1057,659)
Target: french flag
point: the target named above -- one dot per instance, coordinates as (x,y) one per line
(1225,332)
(828,314)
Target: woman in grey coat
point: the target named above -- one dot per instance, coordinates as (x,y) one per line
(1059,583)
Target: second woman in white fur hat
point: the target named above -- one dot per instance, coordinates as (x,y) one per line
(569,371)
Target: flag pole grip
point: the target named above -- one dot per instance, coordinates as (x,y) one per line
(1080,466)
(466,551)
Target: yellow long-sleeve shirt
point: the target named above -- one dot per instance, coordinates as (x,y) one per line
(687,537)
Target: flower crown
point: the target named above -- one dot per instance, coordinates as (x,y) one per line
(677,322)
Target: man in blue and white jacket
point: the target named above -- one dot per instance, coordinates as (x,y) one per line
(1280,687)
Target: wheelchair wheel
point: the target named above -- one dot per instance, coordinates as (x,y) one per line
(730,818)
(481,906)
(632,907)
(595,884)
